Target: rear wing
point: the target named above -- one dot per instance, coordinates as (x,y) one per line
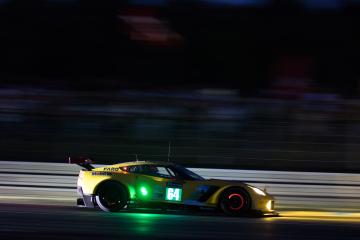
(82,162)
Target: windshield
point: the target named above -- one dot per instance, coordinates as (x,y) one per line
(186,173)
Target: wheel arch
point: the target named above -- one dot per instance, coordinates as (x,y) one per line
(97,187)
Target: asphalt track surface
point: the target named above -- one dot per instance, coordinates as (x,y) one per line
(22,221)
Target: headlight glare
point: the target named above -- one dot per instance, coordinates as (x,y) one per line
(270,205)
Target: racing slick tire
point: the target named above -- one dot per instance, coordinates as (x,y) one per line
(235,201)
(111,196)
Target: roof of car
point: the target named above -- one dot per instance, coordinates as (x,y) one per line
(135,163)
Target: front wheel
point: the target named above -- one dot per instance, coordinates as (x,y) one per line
(235,201)
(111,197)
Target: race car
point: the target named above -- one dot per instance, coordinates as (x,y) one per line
(164,185)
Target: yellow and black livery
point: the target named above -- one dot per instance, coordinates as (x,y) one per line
(164,185)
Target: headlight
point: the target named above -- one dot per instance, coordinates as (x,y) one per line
(258,191)
(270,205)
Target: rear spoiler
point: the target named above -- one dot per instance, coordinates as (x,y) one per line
(82,162)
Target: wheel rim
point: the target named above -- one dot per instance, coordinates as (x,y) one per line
(235,201)
(111,198)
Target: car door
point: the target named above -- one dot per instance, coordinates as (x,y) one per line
(187,186)
(153,182)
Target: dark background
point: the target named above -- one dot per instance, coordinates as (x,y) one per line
(233,84)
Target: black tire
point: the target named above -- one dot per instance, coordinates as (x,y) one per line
(235,201)
(111,196)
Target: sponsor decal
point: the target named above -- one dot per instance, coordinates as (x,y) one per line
(111,169)
(101,174)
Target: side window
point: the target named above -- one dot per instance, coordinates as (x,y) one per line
(149,170)
(176,173)
(171,172)
(153,170)
(164,172)
(134,169)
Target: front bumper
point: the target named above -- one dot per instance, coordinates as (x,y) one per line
(265,207)
(265,204)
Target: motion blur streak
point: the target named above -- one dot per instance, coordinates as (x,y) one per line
(207,127)
(315,215)
(19,221)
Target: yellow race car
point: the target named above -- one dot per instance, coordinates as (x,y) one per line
(165,185)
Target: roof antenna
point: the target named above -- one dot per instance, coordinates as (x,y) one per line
(169,151)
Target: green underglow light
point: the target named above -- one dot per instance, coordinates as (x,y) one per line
(144,191)
(132,192)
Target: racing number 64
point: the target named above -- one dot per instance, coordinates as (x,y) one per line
(173,194)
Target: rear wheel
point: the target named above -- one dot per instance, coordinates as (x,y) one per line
(235,201)
(111,196)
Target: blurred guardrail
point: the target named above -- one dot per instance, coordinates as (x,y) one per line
(56,182)
(207,128)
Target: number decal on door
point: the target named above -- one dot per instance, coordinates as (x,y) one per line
(173,194)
